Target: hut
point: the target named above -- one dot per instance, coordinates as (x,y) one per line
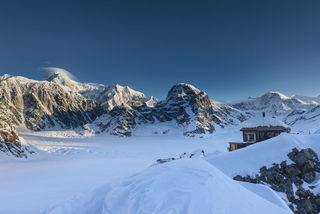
(255,131)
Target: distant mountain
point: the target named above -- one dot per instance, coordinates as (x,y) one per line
(61,103)
(46,104)
(302,113)
(308,100)
(191,110)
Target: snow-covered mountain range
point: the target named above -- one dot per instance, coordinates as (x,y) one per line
(62,103)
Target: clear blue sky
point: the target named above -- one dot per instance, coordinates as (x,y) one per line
(230,49)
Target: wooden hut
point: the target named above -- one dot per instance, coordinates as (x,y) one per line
(257,134)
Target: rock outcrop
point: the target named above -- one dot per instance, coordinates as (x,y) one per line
(10,143)
(296,180)
(189,107)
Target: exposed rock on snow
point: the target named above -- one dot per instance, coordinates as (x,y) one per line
(10,143)
(194,154)
(295,180)
(190,107)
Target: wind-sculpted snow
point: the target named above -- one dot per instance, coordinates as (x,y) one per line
(184,186)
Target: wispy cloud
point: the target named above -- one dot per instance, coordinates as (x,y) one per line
(53,70)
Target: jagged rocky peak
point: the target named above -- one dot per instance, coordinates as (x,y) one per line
(54,73)
(190,107)
(43,104)
(186,94)
(117,95)
(5,76)
(127,92)
(58,77)
(273,102)
(182,91)
(185,104)
(63,78)
(275,95)
(152,101)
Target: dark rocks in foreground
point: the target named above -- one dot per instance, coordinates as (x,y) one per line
(295,180)
(10,142)
(194,154)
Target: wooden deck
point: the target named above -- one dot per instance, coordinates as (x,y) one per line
(238,145)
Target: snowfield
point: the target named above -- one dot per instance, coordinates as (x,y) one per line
(71,173)
(67,164)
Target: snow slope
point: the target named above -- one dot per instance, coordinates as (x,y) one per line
(70,171)
(197,185)
(249,160)
(68,164)
(184,186)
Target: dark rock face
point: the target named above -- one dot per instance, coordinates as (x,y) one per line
(282,178)
(197,153)
(39,105)
(43,104)
(10,143)
(49,104)
(190,107)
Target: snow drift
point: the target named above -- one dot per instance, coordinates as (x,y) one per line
(184,186)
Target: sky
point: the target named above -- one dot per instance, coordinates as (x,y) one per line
(230,49)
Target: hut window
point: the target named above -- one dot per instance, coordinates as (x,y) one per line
(251,137)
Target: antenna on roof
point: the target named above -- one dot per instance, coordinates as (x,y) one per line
(263,116)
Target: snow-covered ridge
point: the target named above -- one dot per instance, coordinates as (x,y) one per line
(198,184)
(184,186)
(307,100)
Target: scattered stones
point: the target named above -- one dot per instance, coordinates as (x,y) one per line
(195,154)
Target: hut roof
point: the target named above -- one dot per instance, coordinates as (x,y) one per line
(266,128)
(263,122)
